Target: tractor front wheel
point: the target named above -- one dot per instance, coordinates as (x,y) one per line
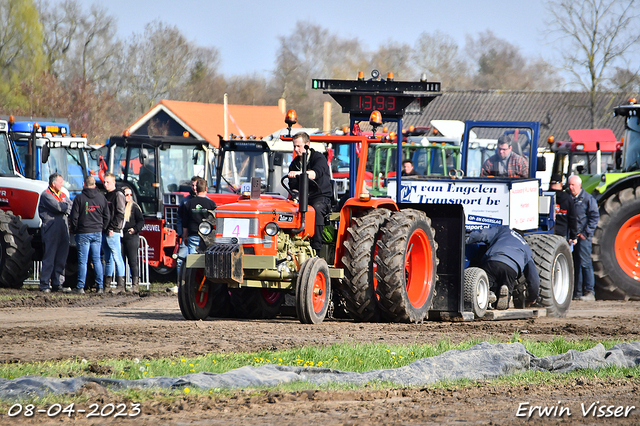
(313,291)
(194,295)
(407,265)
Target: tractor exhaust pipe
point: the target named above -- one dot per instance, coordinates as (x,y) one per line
(303,192)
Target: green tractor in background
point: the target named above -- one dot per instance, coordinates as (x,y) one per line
(616,241)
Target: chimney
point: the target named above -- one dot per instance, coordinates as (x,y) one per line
(282,105)
(326,117)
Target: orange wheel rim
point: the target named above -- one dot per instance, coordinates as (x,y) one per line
(319,292)
(627,248)
(418,268)
(202,290)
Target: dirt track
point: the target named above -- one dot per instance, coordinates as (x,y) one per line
(95,327)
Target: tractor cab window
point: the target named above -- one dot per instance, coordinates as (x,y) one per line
(6,165)
(240,166)
(499,152)
(179,164)
(632,145)
(68,163)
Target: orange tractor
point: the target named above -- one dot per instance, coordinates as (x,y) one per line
(257,250)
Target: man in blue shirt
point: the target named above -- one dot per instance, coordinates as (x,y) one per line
(587,216)
(507,258)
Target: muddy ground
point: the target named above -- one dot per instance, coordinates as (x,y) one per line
(52,327)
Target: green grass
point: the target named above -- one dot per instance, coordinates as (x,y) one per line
(343,356)
(355,357)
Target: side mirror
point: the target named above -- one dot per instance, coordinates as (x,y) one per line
(278,159)
(143,156)
(45,153)
(542,164)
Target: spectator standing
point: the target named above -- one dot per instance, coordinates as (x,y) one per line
(566,223)
(505,162)
(507,258)
(194,212)
(89,217)
(320,190)
(182,248)
(133,224)
(54,208)
(111,241)
(587,216)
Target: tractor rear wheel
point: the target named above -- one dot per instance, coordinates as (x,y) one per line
(16,253)
(256,303)
(406,266)
(313,291)
(194,295)
(616,247)
(552,256)
(476,291)
(359,288)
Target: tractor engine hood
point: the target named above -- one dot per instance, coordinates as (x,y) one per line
(244,222)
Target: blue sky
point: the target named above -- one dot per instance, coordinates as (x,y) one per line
(246,31)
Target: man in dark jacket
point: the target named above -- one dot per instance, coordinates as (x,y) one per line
(112,238)
(89,218)
(566,224)
(507,258)
(587,216)
(53,209)
(320,189)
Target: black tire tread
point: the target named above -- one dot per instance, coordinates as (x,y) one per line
(357,290)
(16,259)
(544,248)
(471,276)
(394,302)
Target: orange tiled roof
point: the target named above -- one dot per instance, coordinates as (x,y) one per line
(207,120)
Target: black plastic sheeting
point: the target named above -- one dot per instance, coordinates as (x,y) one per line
(482,361)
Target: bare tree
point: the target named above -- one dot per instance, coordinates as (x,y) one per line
(158,64)
(313,52)
(396,58)
(437,55)
(501,66)
(596,35)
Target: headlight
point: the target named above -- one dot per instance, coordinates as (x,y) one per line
(271,229)
(205,228)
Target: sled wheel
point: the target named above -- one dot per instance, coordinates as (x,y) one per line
(314,292)
(476,291)
(552,256)
(359,289)
(616,256)
(406,266)
(16,253)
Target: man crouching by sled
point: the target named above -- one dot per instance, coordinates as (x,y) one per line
(508,257)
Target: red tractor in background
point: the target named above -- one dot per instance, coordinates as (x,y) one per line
(158,169)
